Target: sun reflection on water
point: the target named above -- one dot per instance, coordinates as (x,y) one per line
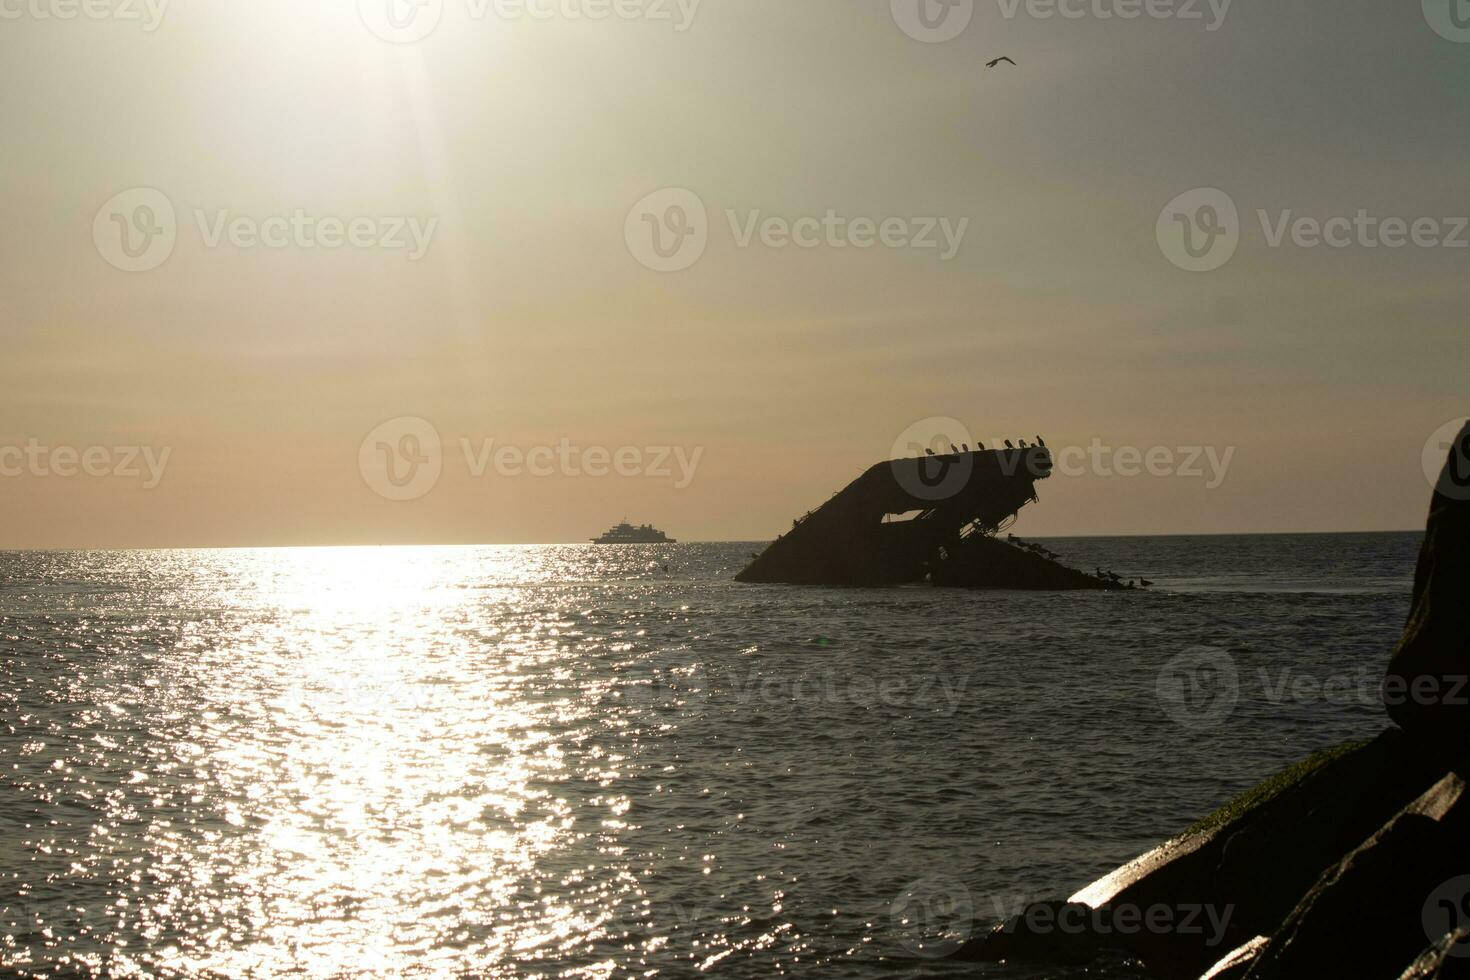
(363,772)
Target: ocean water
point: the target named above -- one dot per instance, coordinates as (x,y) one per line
(595,762)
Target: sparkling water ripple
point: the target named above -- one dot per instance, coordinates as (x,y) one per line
(594,762)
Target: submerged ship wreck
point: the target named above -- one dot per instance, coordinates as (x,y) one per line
(936,518)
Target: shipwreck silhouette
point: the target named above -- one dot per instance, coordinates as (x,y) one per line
(934,518)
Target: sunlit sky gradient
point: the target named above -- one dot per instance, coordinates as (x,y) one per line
(529,321)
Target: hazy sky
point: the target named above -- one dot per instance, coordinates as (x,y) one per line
(516,148)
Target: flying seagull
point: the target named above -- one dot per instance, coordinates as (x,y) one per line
(992,64)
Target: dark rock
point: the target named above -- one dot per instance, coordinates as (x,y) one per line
(1371,914)
(1425,690)
(1346,864)
(1250,865)
(1448,959)
(1235,964)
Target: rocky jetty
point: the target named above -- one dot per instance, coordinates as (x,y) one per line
(1352,864)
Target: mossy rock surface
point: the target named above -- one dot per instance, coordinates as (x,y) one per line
(1271,787)
(1255,857)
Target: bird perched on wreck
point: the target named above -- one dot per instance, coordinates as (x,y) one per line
(1041,442)
(1008,445)
(1023,444)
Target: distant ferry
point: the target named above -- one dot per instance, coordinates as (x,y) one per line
(626,533)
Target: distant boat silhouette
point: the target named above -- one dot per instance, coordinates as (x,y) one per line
(626,533)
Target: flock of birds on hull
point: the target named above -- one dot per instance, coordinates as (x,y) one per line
(980,447)
(1113,577)
(1037,549)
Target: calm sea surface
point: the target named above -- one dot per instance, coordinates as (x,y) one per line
(589,762)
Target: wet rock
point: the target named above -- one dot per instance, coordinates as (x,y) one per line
(1373,912)
(1235,964)
(1249,864)
(1448,959)
(1426,689)
(1233,877)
